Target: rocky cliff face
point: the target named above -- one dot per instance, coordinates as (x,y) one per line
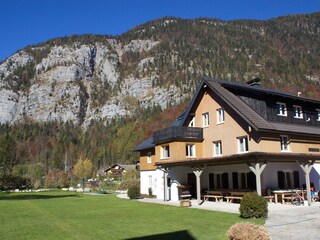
(66,83)
(93,77)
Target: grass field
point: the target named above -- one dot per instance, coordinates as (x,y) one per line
(68,215)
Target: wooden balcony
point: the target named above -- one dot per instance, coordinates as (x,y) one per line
(175,133)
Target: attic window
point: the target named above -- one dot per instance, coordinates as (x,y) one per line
(297,112)
(205,119)
(282,109)
(220,115)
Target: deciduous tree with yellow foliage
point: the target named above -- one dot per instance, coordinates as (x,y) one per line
(83,169)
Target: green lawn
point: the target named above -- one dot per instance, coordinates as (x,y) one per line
(67,215)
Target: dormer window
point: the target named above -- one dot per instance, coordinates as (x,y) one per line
(297,112)
(282,109)
(205,119)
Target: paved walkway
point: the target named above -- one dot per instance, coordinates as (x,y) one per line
(283,222)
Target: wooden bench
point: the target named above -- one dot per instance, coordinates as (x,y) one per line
(185,196)
(231,198)
(217,198)
(286,199)
(269,198)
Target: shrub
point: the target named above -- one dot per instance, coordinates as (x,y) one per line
(127,184)
(247,231)
(134,192)
(56,179)
(253,206)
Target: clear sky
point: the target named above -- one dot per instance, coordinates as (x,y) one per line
(26,22)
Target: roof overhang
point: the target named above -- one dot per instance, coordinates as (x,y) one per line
(249,157)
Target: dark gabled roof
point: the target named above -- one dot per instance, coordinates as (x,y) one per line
(148,143)
(243,86)
(256,121)
(126,167)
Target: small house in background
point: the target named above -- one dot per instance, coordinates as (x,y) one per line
(101,172)
(118,171)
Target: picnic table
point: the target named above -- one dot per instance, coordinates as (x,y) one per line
(235,195)
(216,195)
(284,194)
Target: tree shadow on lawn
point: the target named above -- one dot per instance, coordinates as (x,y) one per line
(185,235)
(10,196)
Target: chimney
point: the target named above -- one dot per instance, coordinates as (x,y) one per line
(299,94)
(254,82)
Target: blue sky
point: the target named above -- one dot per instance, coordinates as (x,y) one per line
(26,22)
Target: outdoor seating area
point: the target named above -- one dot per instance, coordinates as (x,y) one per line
(230,195)
(285,196)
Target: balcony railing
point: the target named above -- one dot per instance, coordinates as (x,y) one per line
(178,134)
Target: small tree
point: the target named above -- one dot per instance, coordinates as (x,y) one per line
(83,169)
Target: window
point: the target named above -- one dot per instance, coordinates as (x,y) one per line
(318,113)
(217,148)
(192,123)
(165,152)
(235,180)
(149,158)
(284,143)
(247,180)
(287,180)
(205,119)
(297,112)
(211,181)
(150,180)
(190,150)
(282,109)
(221,180)
(243,144)
(220,115)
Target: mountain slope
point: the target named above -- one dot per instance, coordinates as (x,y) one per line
(93,77)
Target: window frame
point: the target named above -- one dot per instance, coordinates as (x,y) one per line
(149,157)
(318,114)
(220,116)
(192,123)
(190,150)
(165,149)
(150,180)
(245,144)
(205,119)
(284,146)
(299,112)
(217,145)
(282,109)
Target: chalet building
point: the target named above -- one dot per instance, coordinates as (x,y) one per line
(235,136)
(119,170)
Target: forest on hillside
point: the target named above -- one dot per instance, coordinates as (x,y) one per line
(31,151)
